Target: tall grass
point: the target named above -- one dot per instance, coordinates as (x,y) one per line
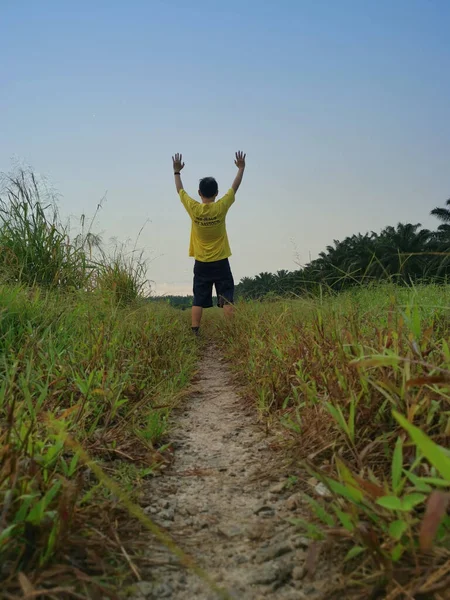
(360,385)
(86,369)
(123,274)
(34,246)
(108,376)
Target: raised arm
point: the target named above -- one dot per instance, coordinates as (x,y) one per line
(178,165)
(240,163)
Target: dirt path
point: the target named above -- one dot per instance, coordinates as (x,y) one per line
(220,504)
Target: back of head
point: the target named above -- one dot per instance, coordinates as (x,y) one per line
(208,187)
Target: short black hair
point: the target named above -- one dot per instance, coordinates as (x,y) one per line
(208,187)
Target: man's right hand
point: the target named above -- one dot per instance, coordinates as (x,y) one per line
(240,163)
(240,160)
(178,163)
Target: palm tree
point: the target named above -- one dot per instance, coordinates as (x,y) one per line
(443,214)
(443,231)
(265,282)
(362,262)
(442,240)
(282,281)
(402,250)
(246,288)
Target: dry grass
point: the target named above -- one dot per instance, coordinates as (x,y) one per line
(361,384)
(78,365)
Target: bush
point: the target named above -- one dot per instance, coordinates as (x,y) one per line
(34,246)
(107,376)
(361,385)
(123,275)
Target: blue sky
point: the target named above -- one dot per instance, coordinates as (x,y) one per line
(343,108)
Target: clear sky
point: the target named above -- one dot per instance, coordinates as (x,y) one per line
(343,108)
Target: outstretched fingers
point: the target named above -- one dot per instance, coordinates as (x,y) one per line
(177,161)
(240,159)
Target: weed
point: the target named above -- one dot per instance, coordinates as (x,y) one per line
(34,246)
(360,382)
(98,369)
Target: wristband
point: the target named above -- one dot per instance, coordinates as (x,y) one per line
(176,172)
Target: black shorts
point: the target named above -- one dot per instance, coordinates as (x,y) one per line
(207,274)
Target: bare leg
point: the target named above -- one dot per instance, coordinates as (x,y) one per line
(228,310)
(196,315)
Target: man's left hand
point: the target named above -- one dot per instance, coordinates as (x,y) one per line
(178,163)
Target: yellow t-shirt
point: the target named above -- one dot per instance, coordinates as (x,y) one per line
(209,240)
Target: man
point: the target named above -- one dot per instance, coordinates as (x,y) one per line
(209,241)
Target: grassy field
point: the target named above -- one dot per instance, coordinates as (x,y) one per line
(358,386)
(76,366)
(89,374)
